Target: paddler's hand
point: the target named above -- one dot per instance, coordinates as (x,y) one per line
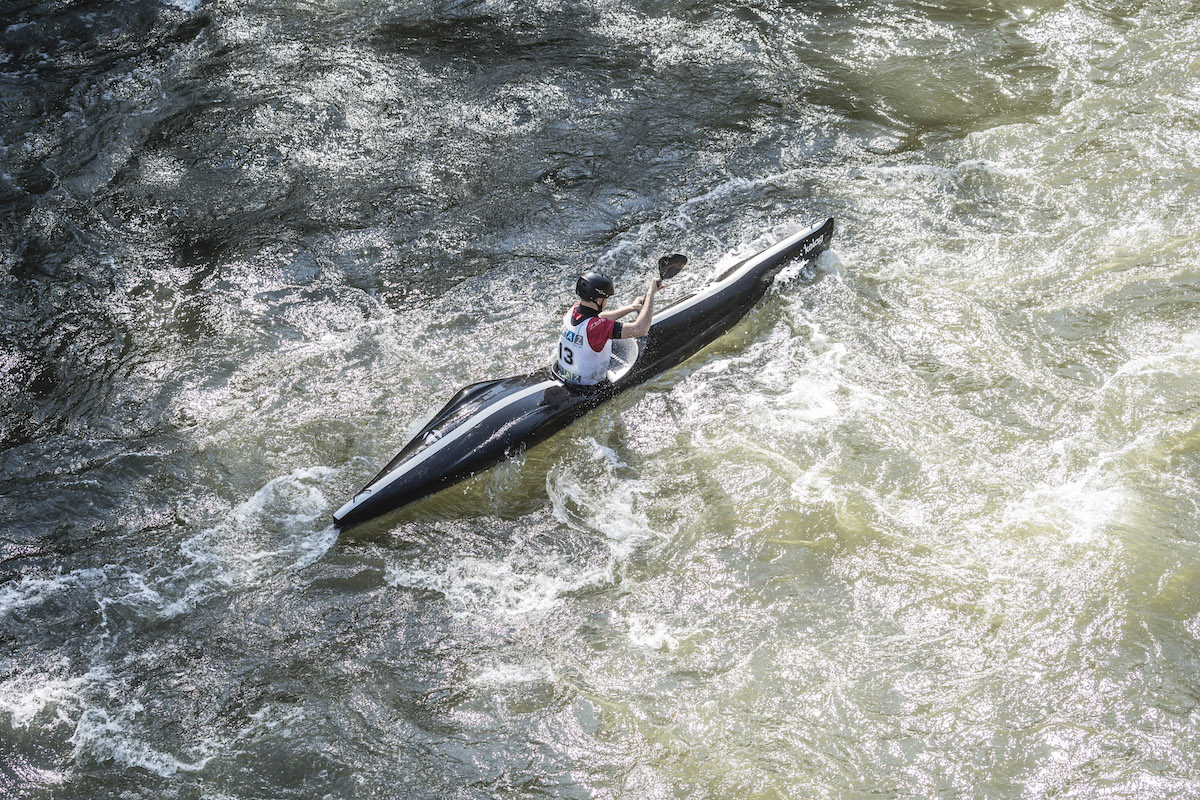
(655,285)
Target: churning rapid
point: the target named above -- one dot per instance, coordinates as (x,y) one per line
(922,525)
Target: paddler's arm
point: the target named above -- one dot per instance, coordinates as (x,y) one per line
(641,325)
(620,312)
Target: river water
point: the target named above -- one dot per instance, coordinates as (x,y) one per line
(923,525)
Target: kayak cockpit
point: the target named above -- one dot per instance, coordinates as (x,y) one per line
(624,354)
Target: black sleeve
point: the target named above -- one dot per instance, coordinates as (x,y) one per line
(616,330)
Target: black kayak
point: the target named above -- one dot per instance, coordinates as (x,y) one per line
(488,422)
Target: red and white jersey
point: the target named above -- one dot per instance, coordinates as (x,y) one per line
(585,345)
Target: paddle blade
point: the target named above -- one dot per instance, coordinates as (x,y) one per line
(669,266)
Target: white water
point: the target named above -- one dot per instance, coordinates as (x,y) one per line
(922,525)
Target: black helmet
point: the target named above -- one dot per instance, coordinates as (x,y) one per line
(592,286)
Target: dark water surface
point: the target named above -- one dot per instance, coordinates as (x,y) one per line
(923,525)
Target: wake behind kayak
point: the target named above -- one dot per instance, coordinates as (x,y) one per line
(487,422)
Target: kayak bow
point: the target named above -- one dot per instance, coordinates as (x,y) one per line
(487,422)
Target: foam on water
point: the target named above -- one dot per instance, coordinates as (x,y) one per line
(26,697)
(103,728)
(30,591)
(814,487)
(1172,354)
(279,519)
(511,586)
(1080,509)
(273,533)
(103,735)
(501,675)
(652,634)
(602,507)
(279,530)
(275,720)
(921,529)
(609,506)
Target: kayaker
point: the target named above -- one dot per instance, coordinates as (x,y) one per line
(585,343)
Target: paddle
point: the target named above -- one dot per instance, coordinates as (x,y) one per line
(669,266)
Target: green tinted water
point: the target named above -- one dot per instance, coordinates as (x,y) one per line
(921,526)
